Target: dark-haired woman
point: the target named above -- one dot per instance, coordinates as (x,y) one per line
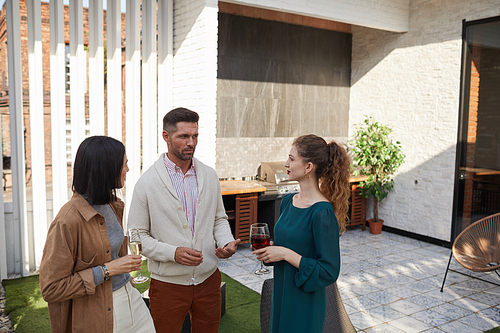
(84,273)
(306,253)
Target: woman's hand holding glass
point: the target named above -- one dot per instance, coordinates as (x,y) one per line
(125,264)
(274,253)
(271,253)
(260,238)
(135,246)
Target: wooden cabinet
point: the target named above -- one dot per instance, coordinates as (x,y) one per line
(241,210)
(241,201)
(246,214)
(357,208)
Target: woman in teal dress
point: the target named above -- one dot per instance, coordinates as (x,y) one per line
(305,254)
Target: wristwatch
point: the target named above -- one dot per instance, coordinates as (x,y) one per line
(106,272)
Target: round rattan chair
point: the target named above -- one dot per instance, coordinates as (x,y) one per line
(477,247)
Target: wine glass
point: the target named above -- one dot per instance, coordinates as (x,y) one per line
(260,237)
(135,245)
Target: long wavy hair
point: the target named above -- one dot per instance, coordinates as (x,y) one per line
(332,171)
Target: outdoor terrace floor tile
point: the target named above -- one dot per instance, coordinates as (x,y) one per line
(391,283)
(406,307)
(383,297)
(409,324)
(478,321)
(431,318)
(363,321)
(458,327)
(483,297)
(361,303)
(402,291)
(384,328)
(425,301)
(452,311)
(470,304)
(384,313)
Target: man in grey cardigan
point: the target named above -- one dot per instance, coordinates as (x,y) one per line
(177,206)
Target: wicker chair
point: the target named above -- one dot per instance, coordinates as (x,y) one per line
(477,247)
(336,319)
(266,297)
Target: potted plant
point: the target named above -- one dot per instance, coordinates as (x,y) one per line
(378,157)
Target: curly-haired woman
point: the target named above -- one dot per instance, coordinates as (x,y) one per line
(305,254)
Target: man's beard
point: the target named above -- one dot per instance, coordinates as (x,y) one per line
(179,154)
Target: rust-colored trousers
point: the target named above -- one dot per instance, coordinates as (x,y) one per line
(170,303)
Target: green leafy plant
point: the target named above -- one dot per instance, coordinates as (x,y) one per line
(378,157)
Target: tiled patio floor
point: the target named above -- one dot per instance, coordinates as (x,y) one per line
(390,283)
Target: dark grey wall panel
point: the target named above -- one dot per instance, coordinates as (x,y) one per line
(281,80)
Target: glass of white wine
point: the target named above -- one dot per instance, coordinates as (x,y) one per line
(135,246)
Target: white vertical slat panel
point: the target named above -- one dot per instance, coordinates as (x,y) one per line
(58,106)
(114,79)
(96,68)
(3,232)
(149,70)
(16,132)
(39,192)
(77,64)
(165,70)
(133,97)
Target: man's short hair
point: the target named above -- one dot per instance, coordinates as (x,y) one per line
(176,116)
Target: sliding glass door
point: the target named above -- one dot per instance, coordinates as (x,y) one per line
(477,184)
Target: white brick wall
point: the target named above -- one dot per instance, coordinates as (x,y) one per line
(411,82)
(391,15)
(195,68)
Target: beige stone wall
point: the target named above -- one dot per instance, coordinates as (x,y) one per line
(240,157)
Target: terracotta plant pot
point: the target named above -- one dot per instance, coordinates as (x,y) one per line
(375,227)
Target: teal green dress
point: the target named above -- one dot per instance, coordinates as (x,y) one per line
(299,299)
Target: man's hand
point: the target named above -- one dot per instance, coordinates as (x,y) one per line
(187,256)
(228,250)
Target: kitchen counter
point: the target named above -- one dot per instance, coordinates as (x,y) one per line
(357,179)
(229,187)
(481,171)
(240,201)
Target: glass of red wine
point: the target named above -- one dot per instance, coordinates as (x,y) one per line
(260,237)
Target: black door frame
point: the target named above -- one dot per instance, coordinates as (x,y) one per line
(463,113)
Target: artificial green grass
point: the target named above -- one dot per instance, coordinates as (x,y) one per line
(29,313)
(242,308)
(142,287)
(25,305)
(494,330)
